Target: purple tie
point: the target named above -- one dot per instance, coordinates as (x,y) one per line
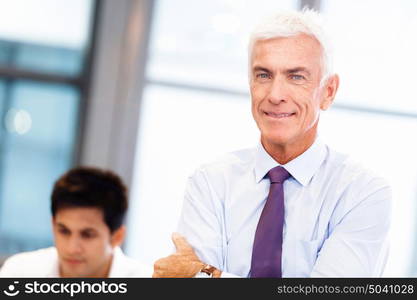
(267,247)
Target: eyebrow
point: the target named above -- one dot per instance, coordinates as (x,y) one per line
(62,225)
(82,230)
(89,230)
(297,70)
(288,71)
(262,69)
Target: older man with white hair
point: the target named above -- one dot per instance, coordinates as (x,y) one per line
(291,207)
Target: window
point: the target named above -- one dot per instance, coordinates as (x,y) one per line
(43,64)
(375,57)
(375,54)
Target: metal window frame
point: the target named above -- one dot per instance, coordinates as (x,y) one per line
(113,111)
(81,82)
(313,4)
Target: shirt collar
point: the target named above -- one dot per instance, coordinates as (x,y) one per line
(302,168)
(117,264)
(54,271)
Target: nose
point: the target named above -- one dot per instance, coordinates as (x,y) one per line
(277,92)
(74,245)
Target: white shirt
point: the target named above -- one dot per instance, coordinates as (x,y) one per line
(44,263)
(337,214)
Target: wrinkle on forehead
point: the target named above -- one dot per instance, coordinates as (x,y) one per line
(299,51)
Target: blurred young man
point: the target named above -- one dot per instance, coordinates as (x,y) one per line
(88,207)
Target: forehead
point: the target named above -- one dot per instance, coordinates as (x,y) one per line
(296,51)
(79,218)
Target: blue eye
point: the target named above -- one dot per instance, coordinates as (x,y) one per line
(262,76)
(297,77)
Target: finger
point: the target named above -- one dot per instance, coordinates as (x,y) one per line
(159,275)
(181,243)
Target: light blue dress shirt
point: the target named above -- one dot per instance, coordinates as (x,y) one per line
(337,213)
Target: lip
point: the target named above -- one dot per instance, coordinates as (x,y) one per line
(73,261)
(278,115)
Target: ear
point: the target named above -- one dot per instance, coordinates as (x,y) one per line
(118,236)
(329,91)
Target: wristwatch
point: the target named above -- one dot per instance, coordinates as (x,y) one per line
(208,269)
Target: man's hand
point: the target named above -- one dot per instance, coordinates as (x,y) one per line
(184,263)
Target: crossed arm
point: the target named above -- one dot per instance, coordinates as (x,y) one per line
(184,263)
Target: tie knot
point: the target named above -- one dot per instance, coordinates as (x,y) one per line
(278,175)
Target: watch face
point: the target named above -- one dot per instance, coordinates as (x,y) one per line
(208,270)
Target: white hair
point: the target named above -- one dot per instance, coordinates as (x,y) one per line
(286,24)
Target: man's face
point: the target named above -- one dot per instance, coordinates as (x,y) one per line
(285,89)
(84,242)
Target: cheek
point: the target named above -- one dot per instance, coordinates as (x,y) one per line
(309,102)
(99,247)
(256,99)
(59,241)
(254,110)
(311,111)
(257,92)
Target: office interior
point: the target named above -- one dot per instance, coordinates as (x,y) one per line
(145,87)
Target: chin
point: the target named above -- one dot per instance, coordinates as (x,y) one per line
(74,272)
(74,275)
(277,138)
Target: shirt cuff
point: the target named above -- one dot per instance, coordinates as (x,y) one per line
(229,275)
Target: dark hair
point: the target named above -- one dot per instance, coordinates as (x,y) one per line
(92,187)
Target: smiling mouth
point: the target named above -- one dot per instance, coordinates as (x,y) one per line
(278,115)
